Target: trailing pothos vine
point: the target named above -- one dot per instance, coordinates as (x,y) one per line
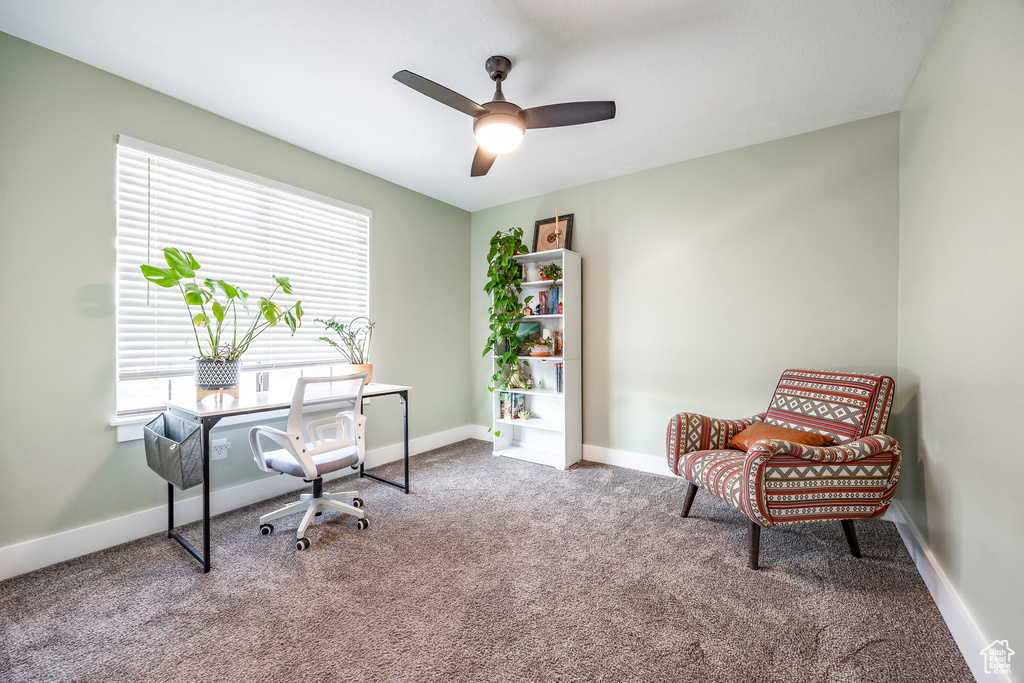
(504,284)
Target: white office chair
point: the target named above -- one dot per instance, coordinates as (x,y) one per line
(324,446)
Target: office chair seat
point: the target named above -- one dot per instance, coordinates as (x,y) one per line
(283,462)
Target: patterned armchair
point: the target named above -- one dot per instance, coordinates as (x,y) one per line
(779,482)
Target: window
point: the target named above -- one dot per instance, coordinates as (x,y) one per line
(242,229)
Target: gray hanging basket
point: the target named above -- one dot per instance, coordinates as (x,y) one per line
(174,449)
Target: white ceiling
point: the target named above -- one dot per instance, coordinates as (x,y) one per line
(690,77)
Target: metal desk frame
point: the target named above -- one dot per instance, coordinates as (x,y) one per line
(208,422)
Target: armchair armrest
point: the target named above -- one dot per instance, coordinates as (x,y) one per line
(776,473)
(689,432)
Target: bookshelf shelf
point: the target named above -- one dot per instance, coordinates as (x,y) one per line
(553,435)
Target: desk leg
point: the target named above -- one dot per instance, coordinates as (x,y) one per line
(207,425)
(204,557)
(405,416)
(404,398)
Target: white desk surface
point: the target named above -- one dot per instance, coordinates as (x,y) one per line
(275,399)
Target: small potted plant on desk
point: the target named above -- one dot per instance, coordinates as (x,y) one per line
(353,342)
(222,343)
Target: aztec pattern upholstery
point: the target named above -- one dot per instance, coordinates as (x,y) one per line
(780,482)
(842,405)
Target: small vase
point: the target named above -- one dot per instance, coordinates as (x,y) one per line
(361,367)
(215,375)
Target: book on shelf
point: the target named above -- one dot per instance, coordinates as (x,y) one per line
(558,377)
(555,296)
(542,299)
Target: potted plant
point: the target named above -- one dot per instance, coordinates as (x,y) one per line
(540,347)
(354,344)
(504,284)
(551,271)
(222,343)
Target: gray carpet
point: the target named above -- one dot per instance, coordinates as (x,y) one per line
(491,570)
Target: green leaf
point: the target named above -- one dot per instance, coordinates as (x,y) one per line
(164,277)
(218,311)
(229,290)
(196,295)
(200,320)
(286,284)
(290,321)
(181,262)
(298,310)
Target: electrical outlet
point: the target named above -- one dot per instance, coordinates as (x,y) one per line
(219,449)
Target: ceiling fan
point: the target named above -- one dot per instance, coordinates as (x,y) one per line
(499,125)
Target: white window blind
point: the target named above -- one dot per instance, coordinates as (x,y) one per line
(241,229)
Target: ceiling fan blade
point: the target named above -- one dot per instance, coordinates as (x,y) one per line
(439,93)
(568,114)
(482,161)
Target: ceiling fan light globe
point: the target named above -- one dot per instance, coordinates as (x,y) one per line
(499,133)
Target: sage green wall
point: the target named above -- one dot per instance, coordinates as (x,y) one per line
(60,466)
(703,280)
(962,308)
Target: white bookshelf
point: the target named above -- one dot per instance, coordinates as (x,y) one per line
(553,436)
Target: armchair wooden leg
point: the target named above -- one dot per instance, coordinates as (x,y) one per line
(755,543)
(690,493)
(851,537)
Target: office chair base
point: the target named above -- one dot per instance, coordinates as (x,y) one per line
(311,506)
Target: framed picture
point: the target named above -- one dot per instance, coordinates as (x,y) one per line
(557,334)
(544,238)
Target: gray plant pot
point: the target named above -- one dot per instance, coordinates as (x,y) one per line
(217,374)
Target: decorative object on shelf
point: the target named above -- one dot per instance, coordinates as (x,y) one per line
(544,237)
(540,347)
(217,365)
(505,286)
(527,311)
(354,346)
(559,308)
(551,271)
(516,380)
(524,414)
(557,342)
(529,382)
(527,330)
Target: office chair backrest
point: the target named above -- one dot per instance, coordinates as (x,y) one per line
(318,433)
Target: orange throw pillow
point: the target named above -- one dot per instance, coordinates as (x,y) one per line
(760,430)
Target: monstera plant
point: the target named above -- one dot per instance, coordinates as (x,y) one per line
(213,309)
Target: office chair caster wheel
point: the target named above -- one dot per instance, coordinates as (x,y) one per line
(302,543)
(266,529)
(362,524)
(357,503)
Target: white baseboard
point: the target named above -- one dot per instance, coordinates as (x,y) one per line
(480,432)
(36,553)
(644,462)
(958,618)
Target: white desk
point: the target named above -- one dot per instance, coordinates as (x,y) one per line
(212,410)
